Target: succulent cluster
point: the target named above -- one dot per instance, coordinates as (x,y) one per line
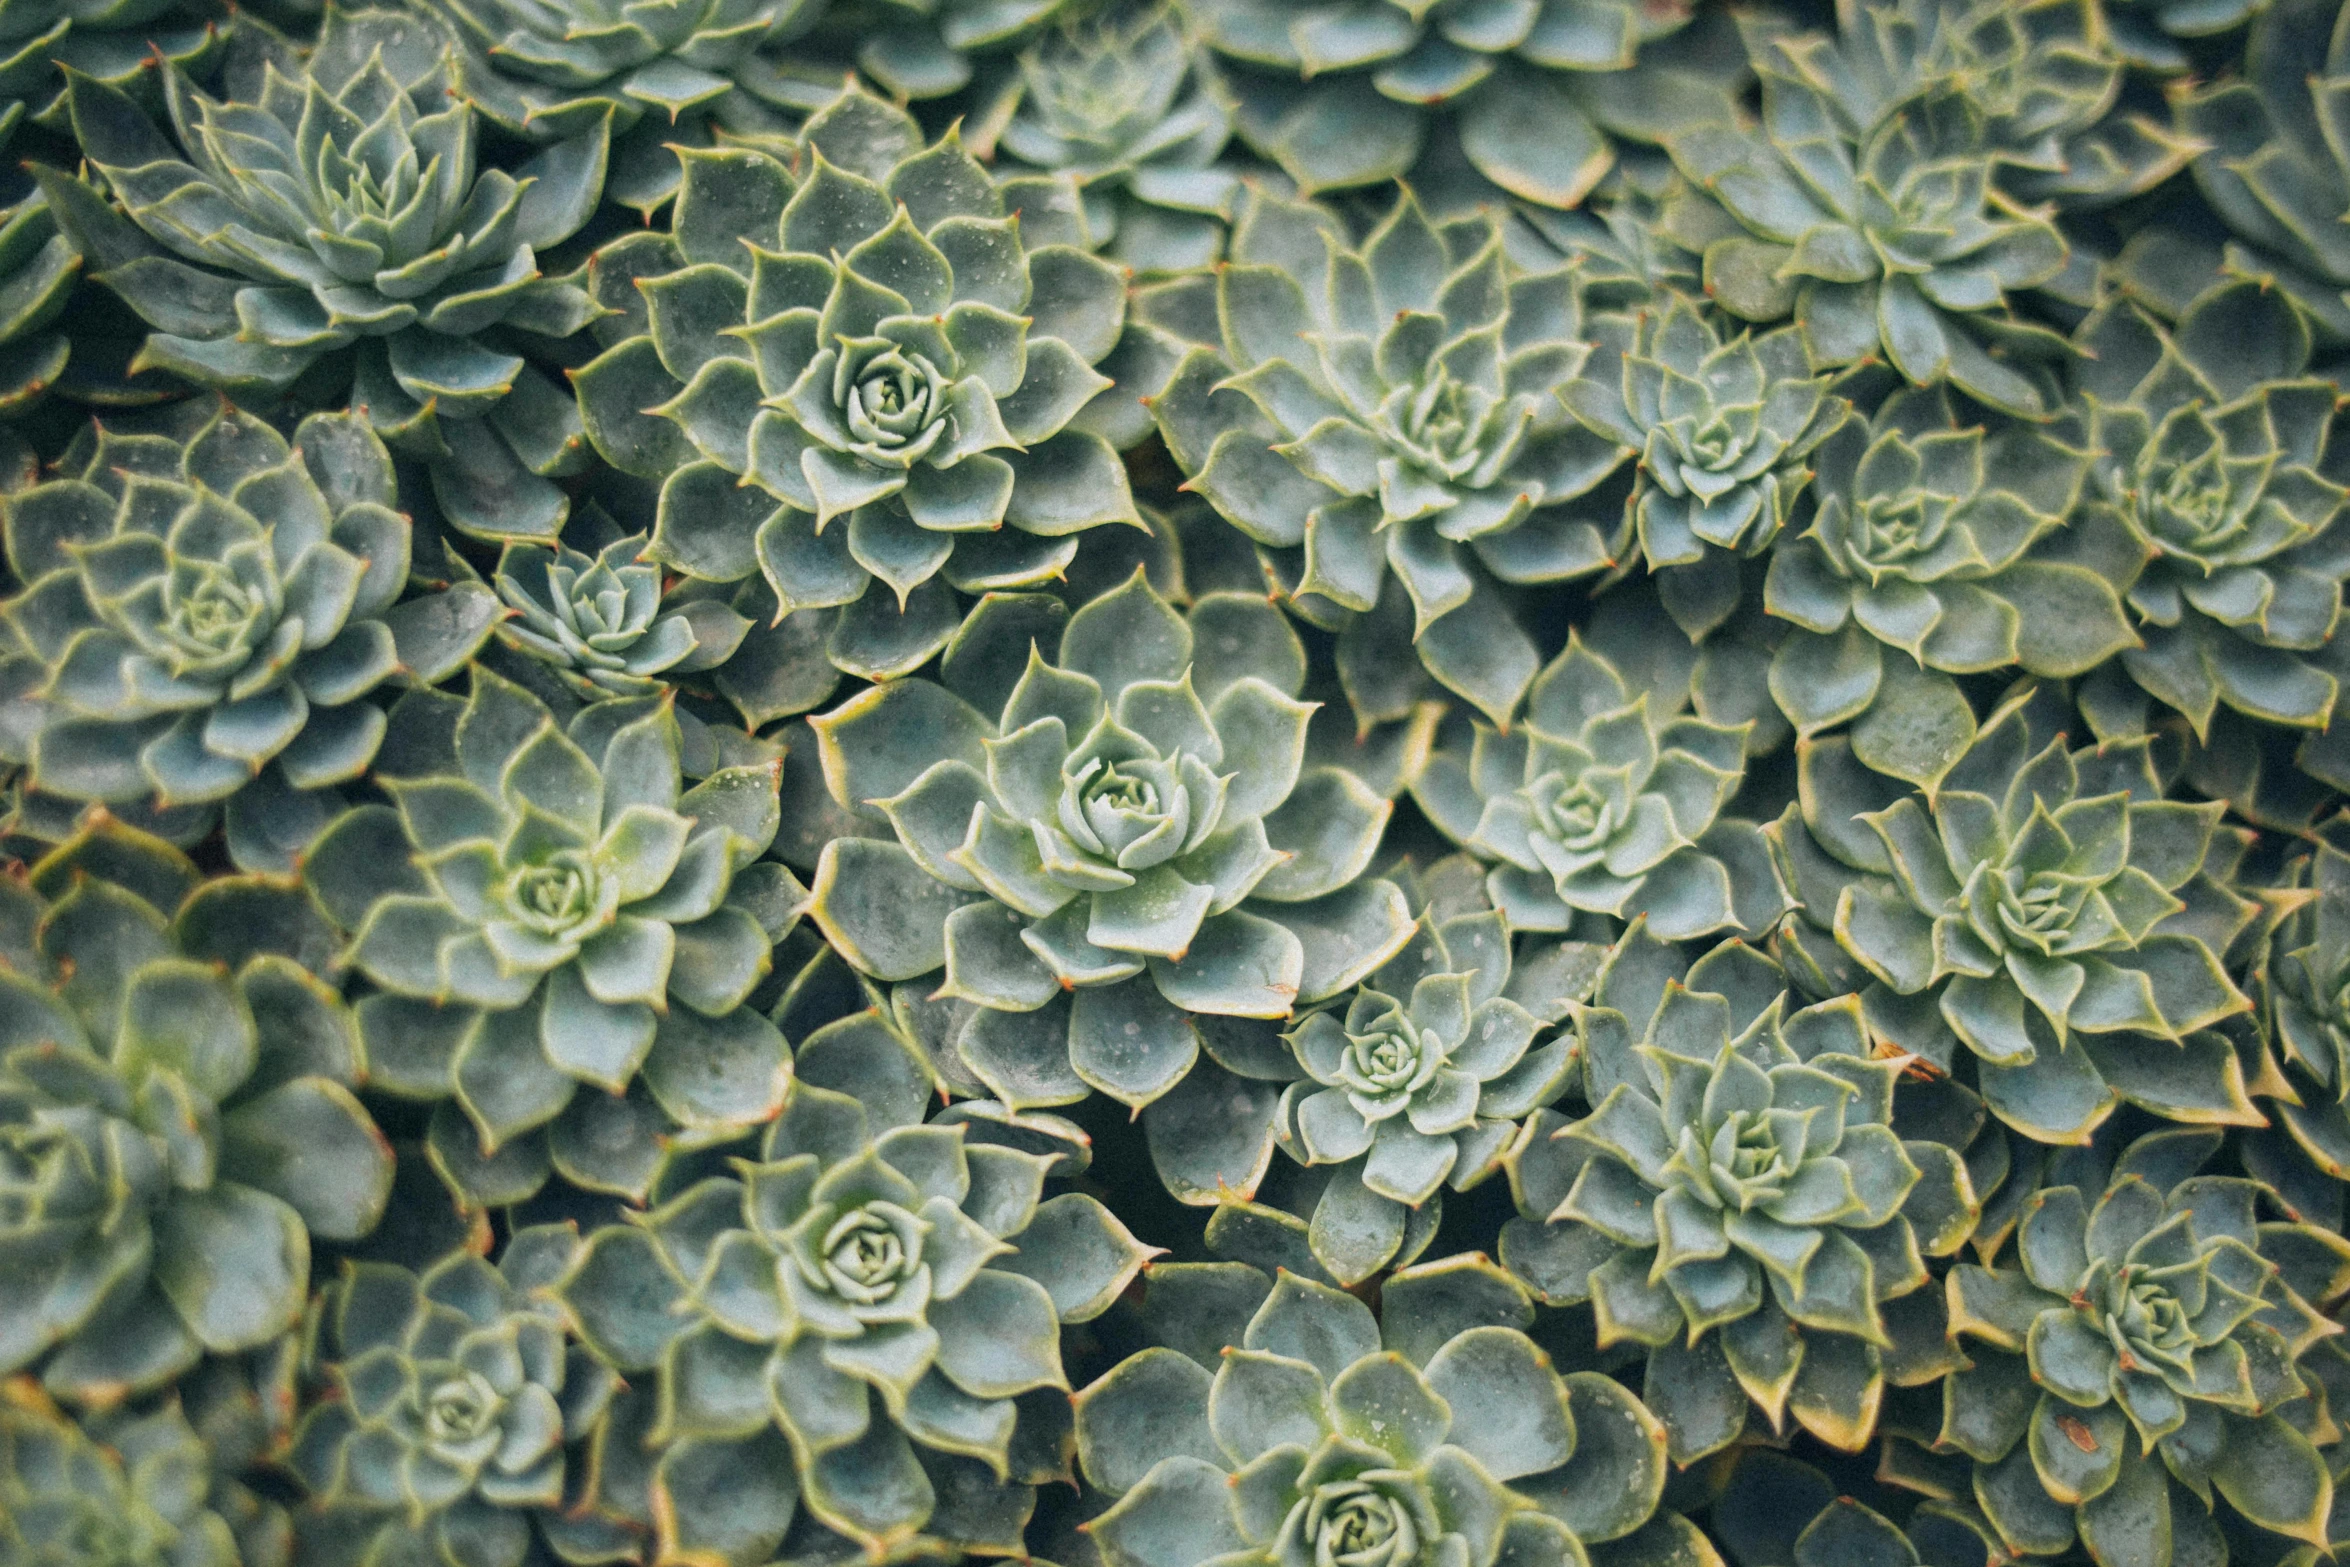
(1174,783)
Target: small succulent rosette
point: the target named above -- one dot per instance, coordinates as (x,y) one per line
(2274,108)
(2137,1353)
(1279,1420)
(2219,499)
(130,1488)
(1606,798)
(445,1404)
(1723,428)
(1498,107)
(343,212)
(1738,1201)
(601,624)
(550,70)
(862,379)
(1132,845)
(1128,108)
(860,1328)
(1910,249)
(542,907)
(205,609)
(177,1122)
(2047,915)
(1938,548)
(1384,421)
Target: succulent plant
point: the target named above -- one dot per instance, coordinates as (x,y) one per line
(549,70)
(38,269)
(445,1402)
(1872,214)
(1943,543)
(176,1115)
(2132,1359)
(2216,495)
(1606,799)
(599,622)
(1133,842)
(1777,1511)
(861,374)
(2045,901)
(543,906)
(2157,35)
(1389,414)
(342,213)
(1128,109)
(1723,430)
(205,608)
(1324,1435)
(1737,1199)
(868,1313)
(2271,166)
(132,1495)
(1348,97)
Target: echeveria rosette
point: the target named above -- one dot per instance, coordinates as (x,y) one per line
(544,906)
(1128,110)
(2273,163)
(862,379)
(1417,1083)
(343,212)
(1738,1199)
(1280,1422)
(1384,420)
(441,1405)
(2131,1357)
(1605,799)
(2045,76)
(1134,840)
(205,610)
(1723,430)
(2217,495)
(125,1491)
(1345,96)
(600,623)
(1935,549)
(1875,221)
(549,70)
(2044,897)
(869,1312)
(176,1117)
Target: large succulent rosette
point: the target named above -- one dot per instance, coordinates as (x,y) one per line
(1345,96)
(1278,1421)
(1870,213)
(1384,422)
(1738,1201)
(861,1326)
(2129,1361)
(2219,498)
(121,1491)
(454,1400)
(342,212)
(548,70)
(858,380)
(1132,844)
(176,1116)
(1936,549)
(1605,799)
(2048,911)
(205,610)
(545,906)
(1128,109)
